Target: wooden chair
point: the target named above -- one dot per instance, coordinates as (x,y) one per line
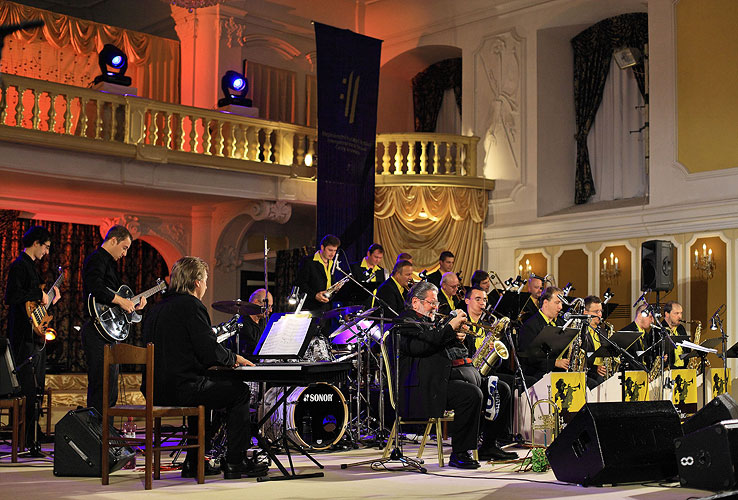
(152,415)
(16,407)
(429,423)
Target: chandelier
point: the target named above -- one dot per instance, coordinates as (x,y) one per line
(610,271)
(191,5)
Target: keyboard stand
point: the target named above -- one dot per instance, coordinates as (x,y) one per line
(266,444)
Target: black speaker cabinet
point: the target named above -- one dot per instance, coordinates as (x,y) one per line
(720,408)
(610,443)
(78,445)
(657,273)
(9,385)
(707,459)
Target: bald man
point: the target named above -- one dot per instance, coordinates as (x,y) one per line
(254,324)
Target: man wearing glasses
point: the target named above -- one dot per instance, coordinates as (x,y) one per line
(447,297)
(430,353)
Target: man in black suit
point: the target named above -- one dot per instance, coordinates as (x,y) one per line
(368,272)
(315,276)
(430,381)
(448,294)
(642,322)
(184,349)
(394,290)
(24,285)
(597,371)
(445,265)
(252,325)
(537,364)
(531,298)
(672,324)
(99,278)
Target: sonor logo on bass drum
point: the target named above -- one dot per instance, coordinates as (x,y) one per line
(318,398)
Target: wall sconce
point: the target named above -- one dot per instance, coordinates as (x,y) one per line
(525,272)
(610,271)
(705,264)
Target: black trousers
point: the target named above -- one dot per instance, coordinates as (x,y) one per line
(31,377)
(232,395)
(93,345)
(466,399)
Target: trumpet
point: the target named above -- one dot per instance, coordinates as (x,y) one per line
(334,288)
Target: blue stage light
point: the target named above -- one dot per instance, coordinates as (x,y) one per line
(235,86)
(113,64)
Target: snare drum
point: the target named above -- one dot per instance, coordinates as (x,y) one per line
(319,349)
(317,416)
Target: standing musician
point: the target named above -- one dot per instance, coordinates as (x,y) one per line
(315,277)
(24,285)
(445,265)
(538,364)
(642,322)
(448,296)
(672,325)
(394,290)
(184,348)
(252,325)
(533,302)
(405,256)
(430,377)
(100,277)
(597,372)
(476,301)
(368,272)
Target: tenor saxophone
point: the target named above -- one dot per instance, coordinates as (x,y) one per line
(492,348)
(694,363)
(612,364)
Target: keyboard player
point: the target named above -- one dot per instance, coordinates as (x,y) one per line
(184,348)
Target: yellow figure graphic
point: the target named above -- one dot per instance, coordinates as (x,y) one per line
(719,384)
(569,391)
(636,386)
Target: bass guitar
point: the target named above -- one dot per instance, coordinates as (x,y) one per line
(112,322)
(38,313)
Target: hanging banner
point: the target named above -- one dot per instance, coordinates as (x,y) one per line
(348,86)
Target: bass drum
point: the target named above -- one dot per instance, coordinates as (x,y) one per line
(317,416)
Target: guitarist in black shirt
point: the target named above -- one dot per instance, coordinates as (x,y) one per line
(100,277)
(24,285)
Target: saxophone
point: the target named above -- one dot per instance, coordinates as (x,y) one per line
(611,364)
(655,369)
(492,348)
(694,363)
(577,356)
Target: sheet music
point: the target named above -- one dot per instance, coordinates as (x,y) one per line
(286,335)
(696,347)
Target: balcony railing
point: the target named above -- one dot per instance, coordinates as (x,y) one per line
(51,114)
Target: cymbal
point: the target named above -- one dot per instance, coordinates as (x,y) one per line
(237,307)
(341,311)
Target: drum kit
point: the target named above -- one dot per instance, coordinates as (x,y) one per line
(319,416)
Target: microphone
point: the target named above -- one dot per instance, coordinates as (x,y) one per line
(7,29)
(445,321)
(226,326)
(642,297)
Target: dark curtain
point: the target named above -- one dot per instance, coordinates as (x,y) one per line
(285,272)
(70,244)
(593,49)
(428,88)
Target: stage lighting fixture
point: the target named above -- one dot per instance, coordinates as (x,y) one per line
(235,86)
(113,65)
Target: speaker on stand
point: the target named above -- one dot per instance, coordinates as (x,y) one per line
(657,266)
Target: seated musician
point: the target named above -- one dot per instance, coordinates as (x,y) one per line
(315,276)
(481,280)
(184,348)
(532,303)
(368,272)
(672,325)
(537,364)
(445,265)
(597,372)
(498,427)
(394,290)
(252,325)
(642,322)
(431,379)
(448,295)
(405,256)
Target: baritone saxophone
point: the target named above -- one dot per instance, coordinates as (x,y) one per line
(492,348)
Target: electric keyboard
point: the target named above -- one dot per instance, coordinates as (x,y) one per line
(286,373)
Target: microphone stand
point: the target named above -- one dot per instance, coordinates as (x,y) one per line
(34,448)
(624,354)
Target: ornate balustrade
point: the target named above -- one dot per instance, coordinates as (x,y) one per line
(54,115)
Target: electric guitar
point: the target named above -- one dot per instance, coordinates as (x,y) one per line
(38,312)
(112,322)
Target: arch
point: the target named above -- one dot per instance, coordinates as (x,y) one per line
(395,105)
(169,252)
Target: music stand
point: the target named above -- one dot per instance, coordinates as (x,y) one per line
(702,351)
(607,309)
(551,339)
(617,345)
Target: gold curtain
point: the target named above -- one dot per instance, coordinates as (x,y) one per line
(453,220)
(272,90)
(65,51)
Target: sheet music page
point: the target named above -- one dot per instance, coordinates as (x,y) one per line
(286,335)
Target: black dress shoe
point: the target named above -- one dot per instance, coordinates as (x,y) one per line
(494,452)
(463,460)
(189,469)
(245,468)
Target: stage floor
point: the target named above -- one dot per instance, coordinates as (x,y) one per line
(33,478)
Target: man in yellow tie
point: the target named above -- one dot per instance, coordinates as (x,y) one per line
(315,276)
(537,364)
(672,323)
(593,307)
(642,322)
(448,298)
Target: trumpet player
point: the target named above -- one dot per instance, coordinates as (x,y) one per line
(368,272)
(499,427)
(642,322)
(445,265)
(597,372)
(315,276)
(448,296)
